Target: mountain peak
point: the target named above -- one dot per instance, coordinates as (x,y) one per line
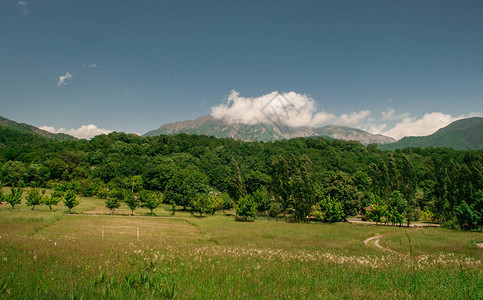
(208,125)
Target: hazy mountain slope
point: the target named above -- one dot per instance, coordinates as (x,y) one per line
(207,125)
(465,134)
(25,128)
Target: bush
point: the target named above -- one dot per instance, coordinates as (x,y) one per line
(246,208)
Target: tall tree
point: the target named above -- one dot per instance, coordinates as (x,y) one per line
(236,187)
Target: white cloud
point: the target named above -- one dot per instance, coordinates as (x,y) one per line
(62,79)
(90,66)
(83,132)
(426,125)
(24,5)
(289,109)
(353,118)
(390,114)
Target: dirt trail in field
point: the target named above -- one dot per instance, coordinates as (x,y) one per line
(376,243)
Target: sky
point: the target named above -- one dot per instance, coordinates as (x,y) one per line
(88,67)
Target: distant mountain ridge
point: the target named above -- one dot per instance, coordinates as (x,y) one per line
(208,125)
(464,134)
(26,128)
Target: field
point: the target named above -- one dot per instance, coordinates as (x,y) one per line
(50,254)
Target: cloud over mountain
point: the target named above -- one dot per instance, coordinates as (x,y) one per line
(83,132)
(290,109)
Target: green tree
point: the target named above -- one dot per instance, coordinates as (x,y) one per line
(34,198)
(185,185)
(236,187)
(302,189)
(14,173)
(377,210)
(53,199)
(246,208)
(71,200)
(113,203)
(15,196)
(397,207)
(2,195)
(466,217)
(328,210)
(132,202)
(150,200)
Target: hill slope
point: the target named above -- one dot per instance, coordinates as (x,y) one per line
(26,128)
(465,134)
(207,125)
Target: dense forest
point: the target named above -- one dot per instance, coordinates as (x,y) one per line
(302,179)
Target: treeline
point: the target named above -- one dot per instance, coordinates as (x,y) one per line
(301,179)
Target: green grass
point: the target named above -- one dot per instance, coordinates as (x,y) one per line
(46,254)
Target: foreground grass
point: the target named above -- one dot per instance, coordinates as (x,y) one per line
(50,255)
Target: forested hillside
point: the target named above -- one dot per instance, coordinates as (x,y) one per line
(303,178)
(465,134)
(6,124)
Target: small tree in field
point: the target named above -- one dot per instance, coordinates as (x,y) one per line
(151,200)
(132,202)
(2,195)
(34,198)
(70,200)
(112,203)
(53,199)
(15,197)
(246,207)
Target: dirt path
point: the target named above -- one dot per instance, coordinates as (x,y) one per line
(376,243)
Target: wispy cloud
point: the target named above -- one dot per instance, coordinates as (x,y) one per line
(24,5)
(63,78)
(83,132)
(90,66)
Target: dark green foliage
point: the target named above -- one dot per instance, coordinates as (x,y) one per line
(34,198)
(184,185)
(466,217)
(246,208)
(435,180)
(2,195)
(15,197)
(397,207)
(236,188)
(71,200)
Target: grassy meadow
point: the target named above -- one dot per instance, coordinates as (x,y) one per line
(51,254)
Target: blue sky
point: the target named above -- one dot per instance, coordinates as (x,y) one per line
(392,67)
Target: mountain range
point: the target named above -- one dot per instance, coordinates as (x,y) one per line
(208,125)
(464,134)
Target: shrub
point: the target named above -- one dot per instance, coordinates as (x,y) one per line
(246,208)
